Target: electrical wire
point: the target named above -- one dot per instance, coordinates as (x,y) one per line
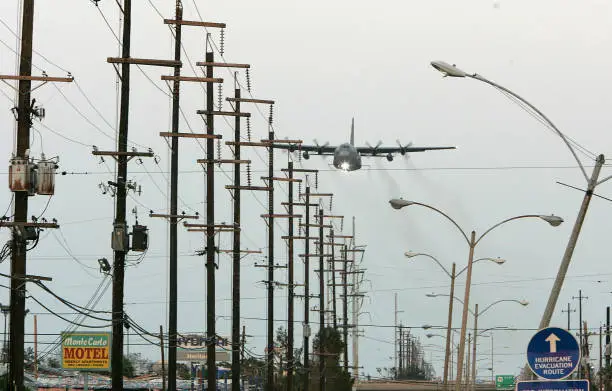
(66,319)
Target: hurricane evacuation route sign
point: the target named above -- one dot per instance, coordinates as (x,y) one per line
(553,353)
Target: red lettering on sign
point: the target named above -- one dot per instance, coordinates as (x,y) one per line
(68,353)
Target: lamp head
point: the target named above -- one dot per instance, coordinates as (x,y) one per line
(430,335)
(398,203)
(410,254)
(499,261)
(426,327)
(448,69)
(553,220)
(431,295)
(524,303)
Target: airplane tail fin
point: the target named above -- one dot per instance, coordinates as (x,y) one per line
(353,131)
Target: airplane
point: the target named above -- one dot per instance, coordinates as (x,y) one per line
(347,156)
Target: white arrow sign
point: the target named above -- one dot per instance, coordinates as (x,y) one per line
(552,340)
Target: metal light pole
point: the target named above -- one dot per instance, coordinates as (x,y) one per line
(452,276)
(472,242)
(592,183)
(476,315)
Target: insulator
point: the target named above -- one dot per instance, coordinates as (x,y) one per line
(331,202)
(219,150)
(222,42)
(299,188)
(300,226)
(270,117)
(248,172)
(220,95)
(341,224)
(317,180)
(248,80)
(248,128)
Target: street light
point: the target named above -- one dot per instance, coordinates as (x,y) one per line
(523,303)
(472,242)
(452,275)
(592,183)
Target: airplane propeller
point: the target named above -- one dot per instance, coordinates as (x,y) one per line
(319,147)
(374,149)
(403,148)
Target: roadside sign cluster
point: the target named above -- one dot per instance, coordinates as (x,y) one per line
(504,382)
(553,354)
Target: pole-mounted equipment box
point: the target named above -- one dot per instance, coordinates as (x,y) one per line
(140,238)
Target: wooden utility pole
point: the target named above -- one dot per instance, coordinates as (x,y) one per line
(306,346)
(174,161)
(321,305)
(211,335)
(18,249)
(290,358)
(236,359)
(22,186)
(163,361)
(270,327)
(345,305)
(333,279)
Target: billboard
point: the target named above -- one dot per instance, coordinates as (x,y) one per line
(192,348)
(86,351)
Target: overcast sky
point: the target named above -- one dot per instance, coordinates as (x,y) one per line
(325,62)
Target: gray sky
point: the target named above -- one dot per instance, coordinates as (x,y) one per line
(324,63)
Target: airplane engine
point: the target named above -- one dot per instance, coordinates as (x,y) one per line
(306,155)
(389,157)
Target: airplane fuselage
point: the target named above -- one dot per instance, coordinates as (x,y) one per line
(347,158)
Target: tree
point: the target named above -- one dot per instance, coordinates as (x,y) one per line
(329,348)
(183,371)
(128,367)
(53,362)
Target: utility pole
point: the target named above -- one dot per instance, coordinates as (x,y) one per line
(307,290)
(333,280)
(163,362)
(270,331)
(398,370)
(290,359)
(211,334)
(395,333)
(607,336)
(18,248)
(581,336)
(22,185)
(236,359)
(355,309)
(345,306)
(321,305)
(568,310)
(173,269)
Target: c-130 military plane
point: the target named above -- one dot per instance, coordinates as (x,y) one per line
(347,156)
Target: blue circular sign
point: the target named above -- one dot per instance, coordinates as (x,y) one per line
(553,353)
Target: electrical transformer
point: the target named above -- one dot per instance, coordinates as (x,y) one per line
(140,238)
(45,177)
(19,175)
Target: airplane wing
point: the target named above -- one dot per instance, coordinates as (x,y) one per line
(314,149)
(385,150)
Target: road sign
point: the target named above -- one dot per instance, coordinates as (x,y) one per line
(504,382)
(553,353)
(553,385)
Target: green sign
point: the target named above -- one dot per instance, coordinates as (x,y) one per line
(504,382)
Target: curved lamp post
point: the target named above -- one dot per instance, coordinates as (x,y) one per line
(472,242)
(592,183)
(452,276)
